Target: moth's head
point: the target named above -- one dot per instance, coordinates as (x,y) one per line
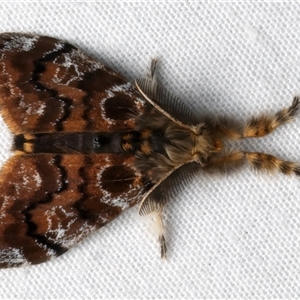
(203,144)
(188,144)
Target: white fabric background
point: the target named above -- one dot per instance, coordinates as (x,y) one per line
(235,236)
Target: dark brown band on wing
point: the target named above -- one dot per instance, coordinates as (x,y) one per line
(31,225)
(89,205)
(62,102)
(18,227)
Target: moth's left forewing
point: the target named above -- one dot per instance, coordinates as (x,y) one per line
(49,203)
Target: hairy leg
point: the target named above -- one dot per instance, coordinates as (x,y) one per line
(260,161)
(152,72)
(264,124)
(155,207)
(256,126)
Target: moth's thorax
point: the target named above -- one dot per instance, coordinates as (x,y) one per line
(169,145)
(185,145)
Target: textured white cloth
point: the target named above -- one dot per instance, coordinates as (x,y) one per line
(236,236)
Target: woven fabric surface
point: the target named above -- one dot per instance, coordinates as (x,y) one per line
(231,236)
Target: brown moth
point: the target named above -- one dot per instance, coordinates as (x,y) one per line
(88,144)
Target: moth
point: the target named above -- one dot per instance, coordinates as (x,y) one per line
(88,144)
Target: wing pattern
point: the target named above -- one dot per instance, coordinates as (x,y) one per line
(49,202)
(47,85)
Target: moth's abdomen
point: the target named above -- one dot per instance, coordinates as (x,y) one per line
(130,142)
(75,142)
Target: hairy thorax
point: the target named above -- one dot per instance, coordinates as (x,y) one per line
(167,145)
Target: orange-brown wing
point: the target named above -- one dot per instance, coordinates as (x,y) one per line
(48,203)
(47,85)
